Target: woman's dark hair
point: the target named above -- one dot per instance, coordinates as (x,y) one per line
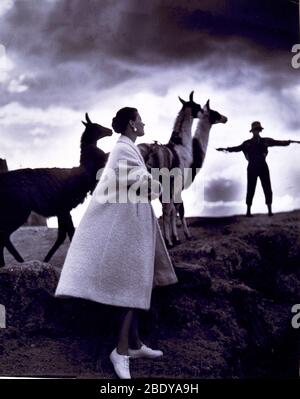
(123,116)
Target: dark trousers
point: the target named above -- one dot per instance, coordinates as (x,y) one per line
(253,172)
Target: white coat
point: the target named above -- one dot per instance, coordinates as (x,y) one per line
(117,254)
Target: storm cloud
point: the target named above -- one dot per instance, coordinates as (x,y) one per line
(66,57)
(90,46)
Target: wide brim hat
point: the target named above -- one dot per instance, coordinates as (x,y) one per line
(255,125)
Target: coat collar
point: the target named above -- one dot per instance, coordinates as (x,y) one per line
(125,139)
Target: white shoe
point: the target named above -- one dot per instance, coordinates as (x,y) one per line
(121,364)
(144,351)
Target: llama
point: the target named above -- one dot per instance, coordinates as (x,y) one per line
(50,191)
(177,153)
(159,156)
(206,118)
(145,149)
(3,166)
(163,157)
(34,219)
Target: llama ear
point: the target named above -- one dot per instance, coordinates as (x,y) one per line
(181,100)
(207,105)
(85,124)
(192,96)
(87,118)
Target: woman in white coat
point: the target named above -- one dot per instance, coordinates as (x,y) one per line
(117,254)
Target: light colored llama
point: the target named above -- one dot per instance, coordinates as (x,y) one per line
(177,153)
(206,119)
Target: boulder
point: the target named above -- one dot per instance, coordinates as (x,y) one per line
(229,316)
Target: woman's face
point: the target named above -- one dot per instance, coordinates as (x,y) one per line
(139,125)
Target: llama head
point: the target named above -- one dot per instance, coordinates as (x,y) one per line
(214,117)
(94,130)
(195,108)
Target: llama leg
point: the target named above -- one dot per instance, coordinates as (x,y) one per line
(174,227)
(18,216)
(8,244)
(167,224)
(177,217)
(178,221)
(184,223)
(2,262)
(62,234)
(70,226)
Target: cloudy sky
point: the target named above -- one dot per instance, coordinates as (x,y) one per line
(66,57)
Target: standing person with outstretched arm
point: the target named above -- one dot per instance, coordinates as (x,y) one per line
(255,151)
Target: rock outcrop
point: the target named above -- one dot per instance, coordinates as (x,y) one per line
(228,317)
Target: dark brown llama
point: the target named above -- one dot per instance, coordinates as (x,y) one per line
(50,191)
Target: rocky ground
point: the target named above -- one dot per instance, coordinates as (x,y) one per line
(228,317)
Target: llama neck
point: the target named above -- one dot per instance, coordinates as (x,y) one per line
(200,142)
(202,134)
(182,131)
(92,158)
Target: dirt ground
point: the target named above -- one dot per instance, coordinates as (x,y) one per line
(200,327)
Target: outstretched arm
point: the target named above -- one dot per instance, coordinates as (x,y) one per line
(295,141)
(231,149)
(278,143)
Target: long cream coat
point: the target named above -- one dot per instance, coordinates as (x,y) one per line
(117,254)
